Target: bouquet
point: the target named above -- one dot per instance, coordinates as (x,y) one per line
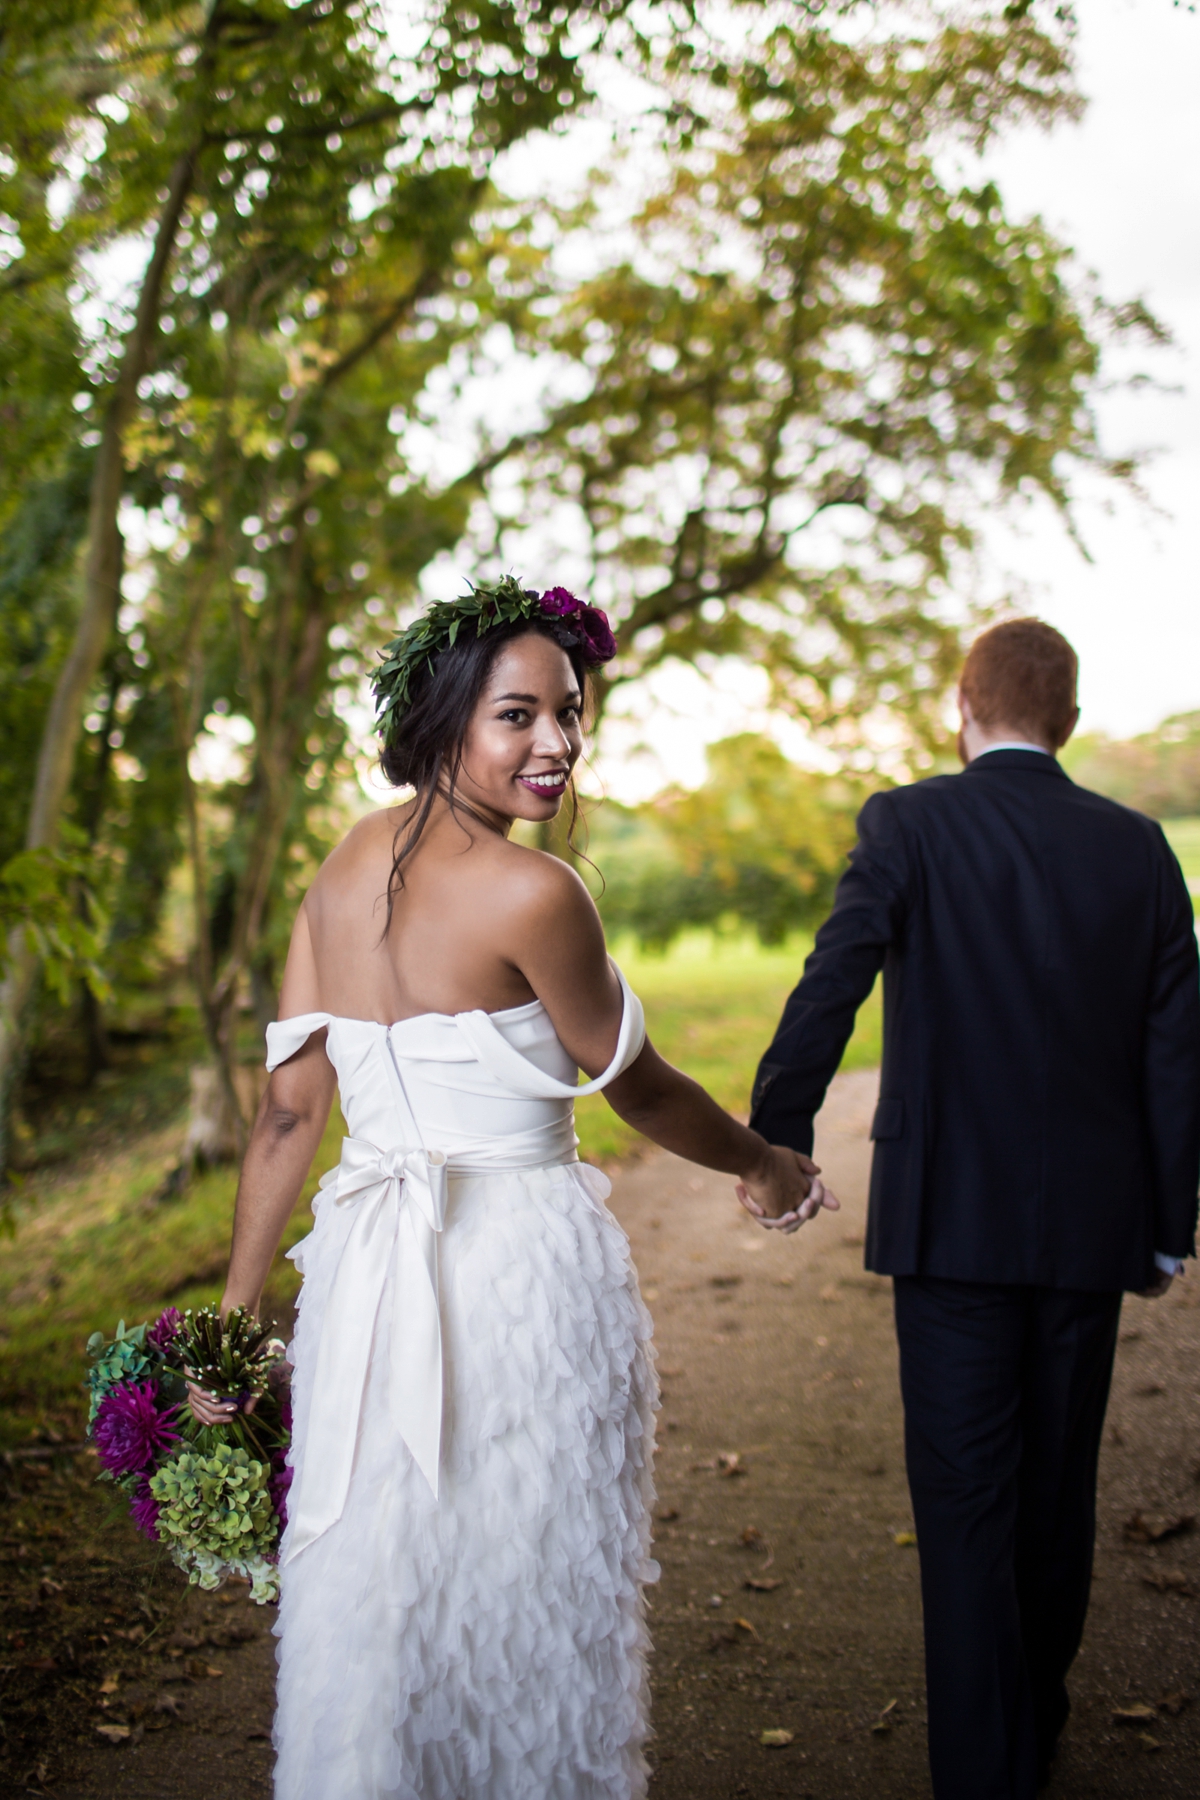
(216,1496)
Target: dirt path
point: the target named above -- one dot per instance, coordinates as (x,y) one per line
(789,1600)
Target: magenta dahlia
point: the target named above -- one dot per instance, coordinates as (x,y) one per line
(129,1429)
(143,1510)
(278,1483)
(167,1326)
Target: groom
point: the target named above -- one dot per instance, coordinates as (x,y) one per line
(1037,1152)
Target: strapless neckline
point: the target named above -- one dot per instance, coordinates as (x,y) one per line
(526,1010)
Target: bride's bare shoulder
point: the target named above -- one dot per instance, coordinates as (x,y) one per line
(539,884)
(366,849)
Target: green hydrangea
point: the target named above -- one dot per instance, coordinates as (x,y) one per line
(114,1360)
(216,1517)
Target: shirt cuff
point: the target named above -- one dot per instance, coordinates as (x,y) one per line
(1169,1265)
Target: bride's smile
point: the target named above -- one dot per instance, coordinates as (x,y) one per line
(525,736)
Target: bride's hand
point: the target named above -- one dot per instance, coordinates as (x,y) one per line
(786,1191)
(210,1409)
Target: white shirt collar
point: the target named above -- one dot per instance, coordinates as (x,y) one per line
(988,748)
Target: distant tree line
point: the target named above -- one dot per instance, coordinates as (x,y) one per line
(759,847)
(1157,773)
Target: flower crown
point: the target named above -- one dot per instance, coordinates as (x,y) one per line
(503,602)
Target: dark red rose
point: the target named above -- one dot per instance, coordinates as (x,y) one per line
(600,646)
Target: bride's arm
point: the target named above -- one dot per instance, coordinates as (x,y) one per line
(287,1129)
(560,950)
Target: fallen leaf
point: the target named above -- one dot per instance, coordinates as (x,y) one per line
(1138,1529)
(729,1463)
(1147,1742)
(905,1540)
(1171,1581)
(776,1740)
(752,1537)
(109,1684)
(667,1514)
(1173,1704)
(212,1670)
(758,1585)
(170,1704)
(1136,1714)
(884,1722)
(745,1625)
(113,1734)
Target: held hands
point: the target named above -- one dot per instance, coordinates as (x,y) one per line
(785,1191)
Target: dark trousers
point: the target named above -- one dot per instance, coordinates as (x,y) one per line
(1005,1390)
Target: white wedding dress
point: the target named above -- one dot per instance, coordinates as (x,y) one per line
(461,1615)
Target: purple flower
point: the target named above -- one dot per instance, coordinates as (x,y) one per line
(167,1326)
(594,632)
(599,644)
(559,603)
(278,1483)
(129,1430)
(144,1511)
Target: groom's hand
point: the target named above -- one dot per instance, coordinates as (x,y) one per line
(785,1191)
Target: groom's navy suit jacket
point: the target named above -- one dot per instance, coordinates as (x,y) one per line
(1039,1111)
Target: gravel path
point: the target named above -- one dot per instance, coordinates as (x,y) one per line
(789,1600)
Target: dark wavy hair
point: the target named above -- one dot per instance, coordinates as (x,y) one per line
(426,748)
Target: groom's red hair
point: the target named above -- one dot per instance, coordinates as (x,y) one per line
(1023,675)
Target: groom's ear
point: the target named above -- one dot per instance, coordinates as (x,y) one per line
(1073,722)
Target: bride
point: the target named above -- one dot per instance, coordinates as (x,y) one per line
(461,1614)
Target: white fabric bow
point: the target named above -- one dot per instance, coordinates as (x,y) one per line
(399,1198)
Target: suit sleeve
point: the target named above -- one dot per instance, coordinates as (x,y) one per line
(867,917)
(1172,1065)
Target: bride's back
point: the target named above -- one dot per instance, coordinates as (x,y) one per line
(458,923)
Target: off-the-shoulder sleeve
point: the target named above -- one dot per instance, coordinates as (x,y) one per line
(518,1073)
(286,1036)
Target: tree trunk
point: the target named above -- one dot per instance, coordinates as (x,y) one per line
(97,616)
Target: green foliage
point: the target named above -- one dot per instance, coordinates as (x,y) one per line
(1157,773)
(44,898)
(502,602)
(121,1358)
(822,361)
(215,1514)
(759,845)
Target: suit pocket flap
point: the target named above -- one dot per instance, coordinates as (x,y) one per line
(889,1119)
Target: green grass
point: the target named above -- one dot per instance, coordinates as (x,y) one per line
(93,1244)
(712,1005)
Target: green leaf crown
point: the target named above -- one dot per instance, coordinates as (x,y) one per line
(503,602)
